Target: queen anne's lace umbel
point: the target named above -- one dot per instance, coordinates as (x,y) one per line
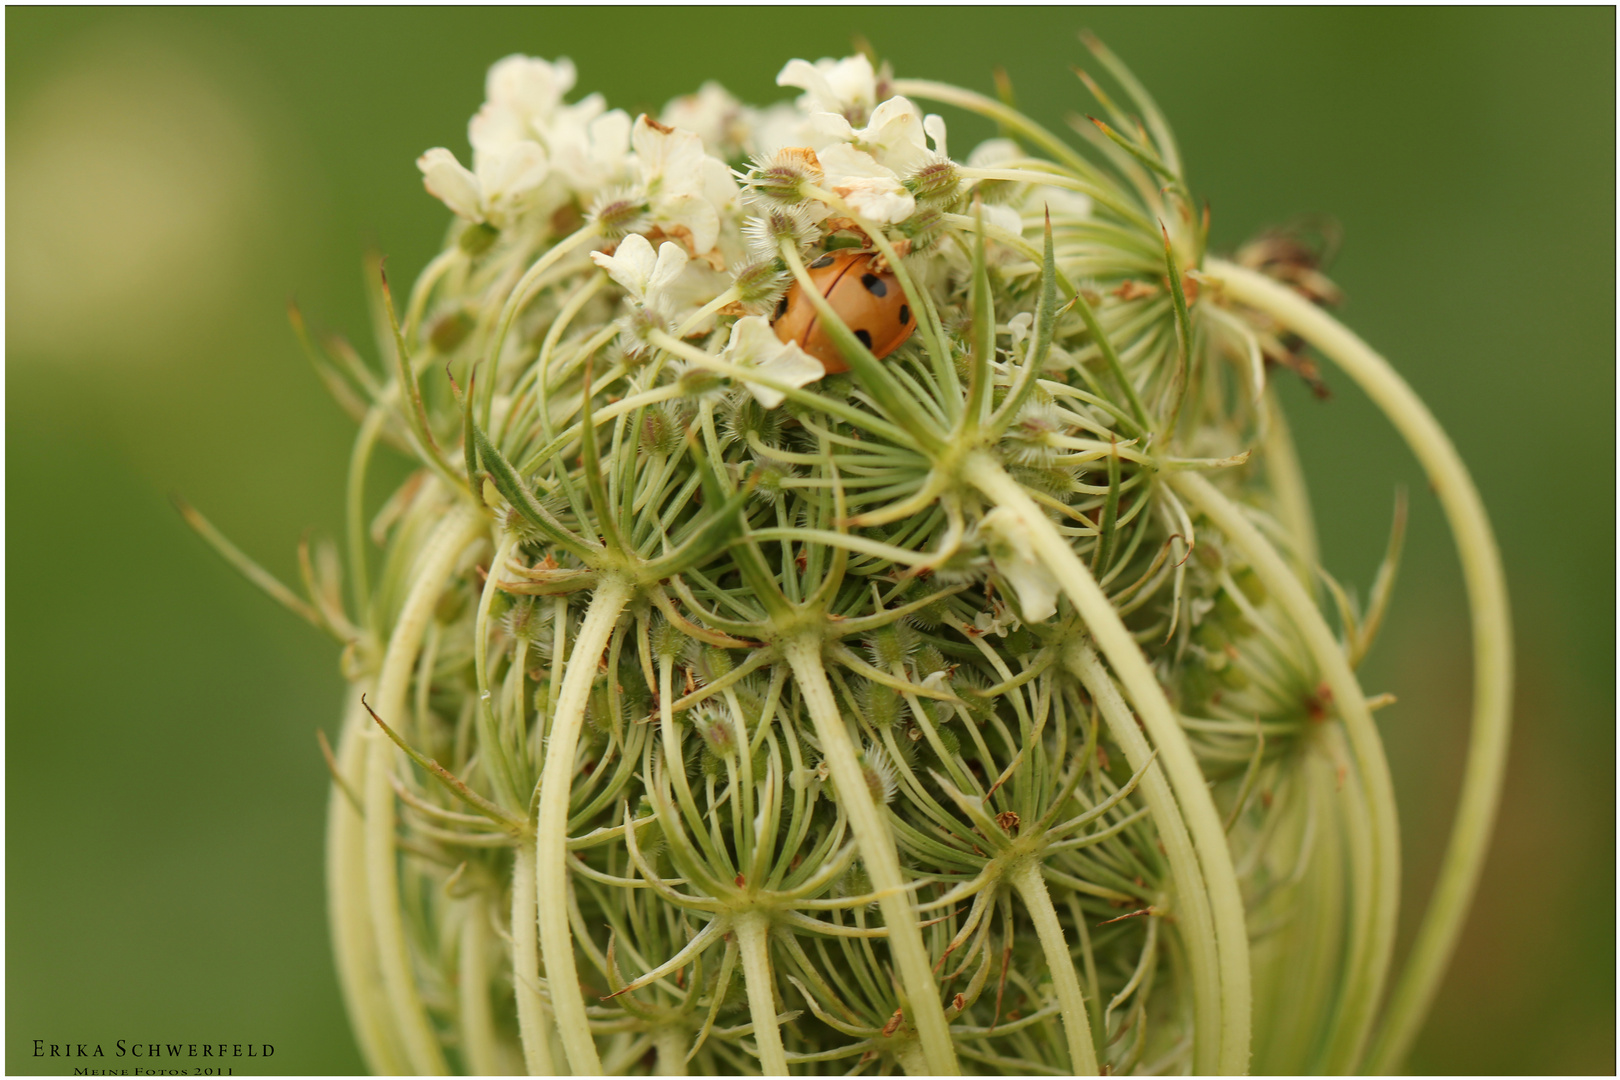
(969,711)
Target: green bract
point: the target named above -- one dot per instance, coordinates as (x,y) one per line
(973,711)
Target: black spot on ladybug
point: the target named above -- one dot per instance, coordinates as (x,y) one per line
(864,338)
(781,308)
(874,285)
(825,260)
(905,314)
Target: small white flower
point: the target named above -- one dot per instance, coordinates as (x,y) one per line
(520,95)
(681,183)
(645,276)
(934,125)
(719,119)
(847,87)
(894,136)
(589,147)
(754,345)
(1019,326)
(1007,541)
(872,191)
(775,127)
(999,620)
(667,284)
(490,190)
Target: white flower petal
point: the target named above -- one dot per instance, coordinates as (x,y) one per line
(1004,218)
(847,86)
(754,345)
(1007,540)
(631,265)
(823,129)
(519,168)
(713,115)
(1019,324)
(803,74)
(720,186)
(672,260)
(934,125)
(671,160)
(529,85)
(843,160)
(791,366)
(993,152)
(691,214)
(871,190)
(752,341)
(447,180)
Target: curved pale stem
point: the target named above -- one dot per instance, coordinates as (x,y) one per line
(1493,642)
(1288,484)
(1196,921)
(444,549)
(534,1029)
(877,848)
(551,839)
(1197,807)
(753,940)
(477,1020)
(1364,983)
(1071,1003)
(353,944)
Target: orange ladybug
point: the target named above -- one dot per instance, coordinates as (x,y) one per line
(872,305)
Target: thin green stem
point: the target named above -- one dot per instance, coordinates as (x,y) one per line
(520,295)
(444,549)
(1369,965)
(1196,922)
(365,441)
(1197,806)
(877,849)
(753,940)
(352,942)
(1493,643)
(1032,889)
(551,830)
(476,1019)
(534,1026)
(669,1042)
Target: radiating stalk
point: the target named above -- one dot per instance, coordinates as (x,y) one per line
(461,527)
(1288,484)
(352,942)
(1195,920)
(877,849)
(476,1020)
(1371,965)
(1072,1004)
(1192,793)
(670,1043)
(1493,643)
(753,939)
(551,839)
(534,1027)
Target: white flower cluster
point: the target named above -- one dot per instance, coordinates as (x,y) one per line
(678,229)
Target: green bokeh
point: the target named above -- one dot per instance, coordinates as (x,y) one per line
(165,794)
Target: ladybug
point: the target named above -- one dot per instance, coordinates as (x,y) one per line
(871,303)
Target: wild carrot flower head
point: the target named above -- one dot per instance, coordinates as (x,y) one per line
(858,610)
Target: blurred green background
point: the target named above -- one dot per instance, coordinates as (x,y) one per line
(175,175)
